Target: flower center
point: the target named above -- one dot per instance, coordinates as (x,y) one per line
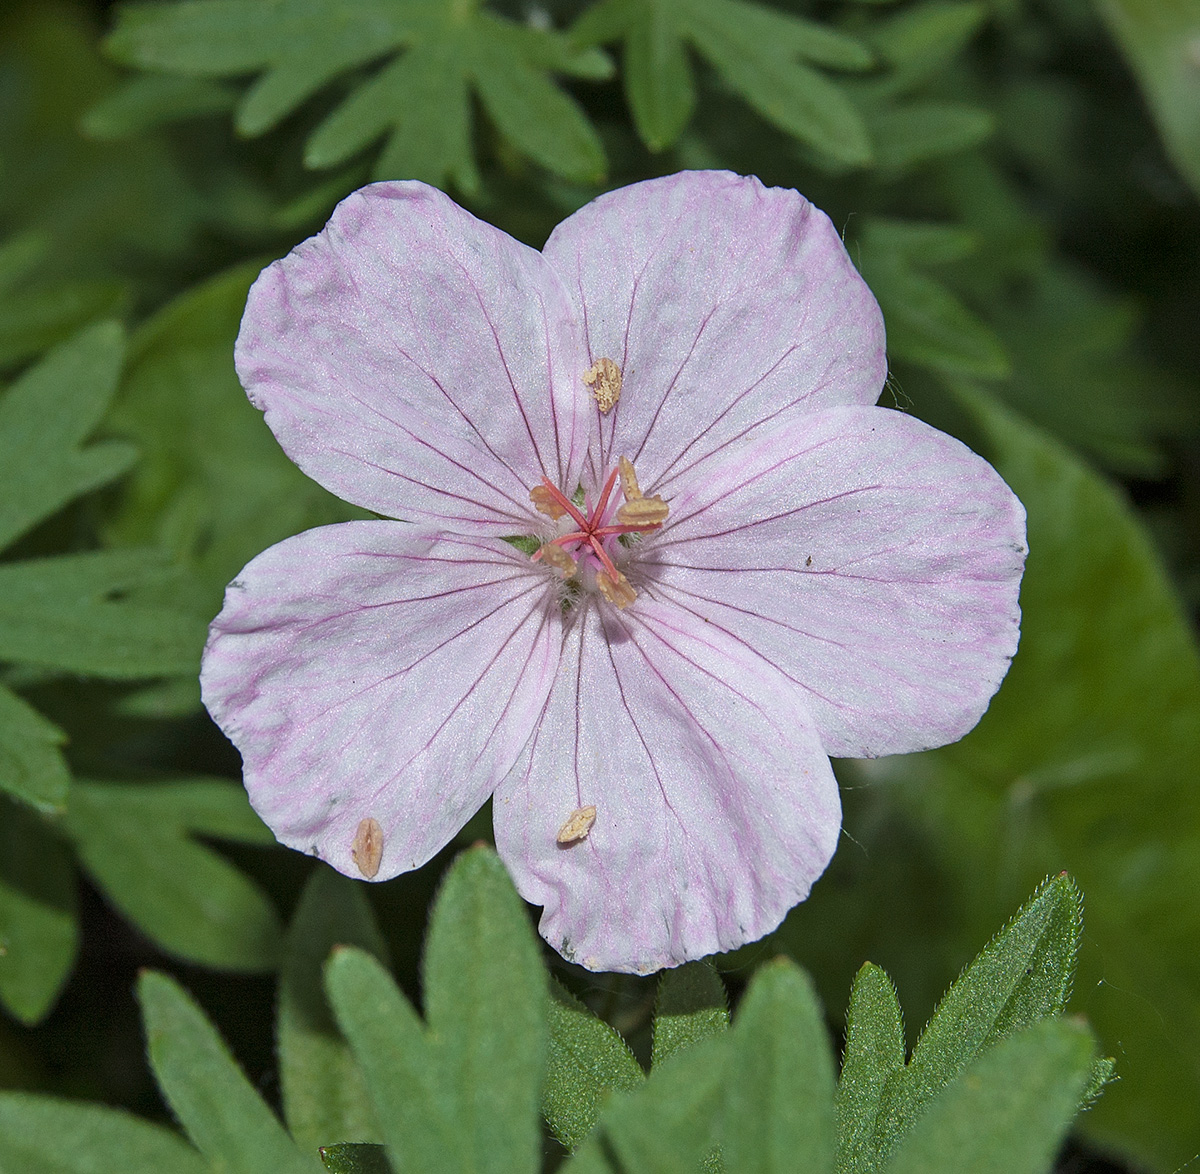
(598,528)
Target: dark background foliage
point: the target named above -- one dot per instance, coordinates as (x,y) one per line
(1017,181)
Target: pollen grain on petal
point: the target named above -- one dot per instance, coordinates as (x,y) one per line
(559,559)
(643,511)
(617,590)
(367,847)
(578,825)
(545,502)
(604,378)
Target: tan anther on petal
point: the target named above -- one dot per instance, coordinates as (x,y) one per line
(629,482)
(619,592)
(544,503)
(578,824)
(604,378)
(558,558)
(367,848)
(643,511)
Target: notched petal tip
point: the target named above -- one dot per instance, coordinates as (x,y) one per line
(367,847)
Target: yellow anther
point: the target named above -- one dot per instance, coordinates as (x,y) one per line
(604,378)
(544,503)
(578,824)
(558,558)
(619,592)
(629,483)
(367,847)
(643,511)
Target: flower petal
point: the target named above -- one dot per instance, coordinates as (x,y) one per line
(380,671)
(725,304)
(871,558)
(716,807)
(419,362)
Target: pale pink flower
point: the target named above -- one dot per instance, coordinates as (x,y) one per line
(652,697)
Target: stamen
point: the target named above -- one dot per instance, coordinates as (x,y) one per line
(558,559)
(367,847)
(644,511)
(615,589)
(604,378)
(578,824)
(544,502)
(629,481)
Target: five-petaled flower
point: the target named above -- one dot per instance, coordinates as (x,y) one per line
(740,565)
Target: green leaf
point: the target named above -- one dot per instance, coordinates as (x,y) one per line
(1158,38)
(1086,760)
(779,1082)
(485,1002)
(875,1054)
(691,1006)
(32,767)
(759,53)
(38,932)
(212,486)
(669,1124)
(415,1108)
(146,102)
(926,323)
(43,461)
(304,45)
(1009,1112)
(533,113)
(1022,976)
(42,1135)
(74,613)
(912,133)
(355,1158)
(586,1062)
(921,40)
(658,76)
(324,1095)
(135,840)
(223,1115)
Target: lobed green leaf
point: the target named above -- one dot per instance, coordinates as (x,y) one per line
(223,1115)
(324,1094)
(32,767)
(135,840)
(44,1135)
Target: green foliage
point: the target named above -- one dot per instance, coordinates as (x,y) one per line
(779,1108)
(38,931)
(691,1006)
(42,1135)
(761,54)
(421,98)
(324,1095)
(460,1091)
(355,1158)
(1159,40)
(136,842)
(1009,1111)
(586,1061)
(1092,740)
(223,1115)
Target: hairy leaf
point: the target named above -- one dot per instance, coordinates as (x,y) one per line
(691,1006)
(228,1121)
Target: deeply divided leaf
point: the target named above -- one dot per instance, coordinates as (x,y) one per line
(324,1094)
(207,1091)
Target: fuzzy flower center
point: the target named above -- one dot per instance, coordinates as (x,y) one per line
(598,529)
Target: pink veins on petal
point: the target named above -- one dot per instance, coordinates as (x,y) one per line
(651,697)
